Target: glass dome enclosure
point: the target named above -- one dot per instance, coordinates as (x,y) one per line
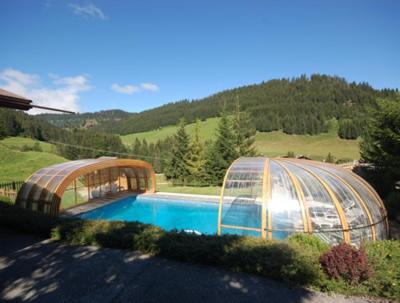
(273,198)
(60,186)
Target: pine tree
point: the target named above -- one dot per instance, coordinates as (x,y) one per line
(330,158)
(222,153)
(136,147)
(381,141)
(196,159)
(244,132)
(178,166)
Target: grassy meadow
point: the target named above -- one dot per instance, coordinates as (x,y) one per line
(207,131)
(271,144)
(17,165)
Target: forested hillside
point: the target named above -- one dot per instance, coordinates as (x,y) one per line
(93,144)
(297,106)
(85,120)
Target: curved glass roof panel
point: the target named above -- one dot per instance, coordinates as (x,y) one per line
(47,185)
(281,196)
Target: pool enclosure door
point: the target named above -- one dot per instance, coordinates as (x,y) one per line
(243,199)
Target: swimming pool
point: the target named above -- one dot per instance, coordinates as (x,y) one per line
(168,214)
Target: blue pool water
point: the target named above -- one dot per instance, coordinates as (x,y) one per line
(166,213)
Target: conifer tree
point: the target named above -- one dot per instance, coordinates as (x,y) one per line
(136,147)
(222,153)
(196,159)
(244,132)
(178,166)
(330,158)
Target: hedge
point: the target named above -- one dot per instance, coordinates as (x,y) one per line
(295,260)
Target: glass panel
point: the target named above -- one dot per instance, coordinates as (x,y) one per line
(242,199)
(241,232)
(373,205)
(68,199)
(319,205)
(284,205)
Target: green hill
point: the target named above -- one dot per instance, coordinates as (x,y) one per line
(271,144)
(19,143)
(300,105)
(17,165)
(207,129)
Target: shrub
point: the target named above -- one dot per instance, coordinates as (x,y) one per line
(384,256)
(392,203)
(311,243)
(5,199)
(27,221)
(346,262)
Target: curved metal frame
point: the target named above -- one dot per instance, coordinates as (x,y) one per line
(54,196)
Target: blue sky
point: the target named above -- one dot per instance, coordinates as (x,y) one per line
(135,55)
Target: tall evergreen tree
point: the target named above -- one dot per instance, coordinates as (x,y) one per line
(178,167)
(381,141)
(244,132)
(136,147)
(196,159)
(222,153)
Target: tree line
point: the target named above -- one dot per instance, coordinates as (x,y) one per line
(74,144)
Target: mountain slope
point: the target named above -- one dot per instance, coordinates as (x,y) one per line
(85,120)
(297,106)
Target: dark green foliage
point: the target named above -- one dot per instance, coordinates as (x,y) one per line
(350,128)
(385,258)
(299,105)
(311,243)
(178,167)
(290,154)
(244,132)
(81,120)
(381,146)
(330,158)
(346,262)
(75,144)
(27,221)
(392,204)
(381,142)
(197,158)
(222,153)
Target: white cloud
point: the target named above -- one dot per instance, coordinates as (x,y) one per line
(89,9)
(63,93)
(129,89)
(125,89)
(149,86)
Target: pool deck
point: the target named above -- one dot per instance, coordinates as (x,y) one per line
(37,270)
(99,202)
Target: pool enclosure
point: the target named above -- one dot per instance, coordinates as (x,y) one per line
(273,198)
(60,186)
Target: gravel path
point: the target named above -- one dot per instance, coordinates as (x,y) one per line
(32,270)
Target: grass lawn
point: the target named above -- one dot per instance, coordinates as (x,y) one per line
(164,186)
(277,143)
(17,166)
(207,130)
(271,144)
(17,143)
